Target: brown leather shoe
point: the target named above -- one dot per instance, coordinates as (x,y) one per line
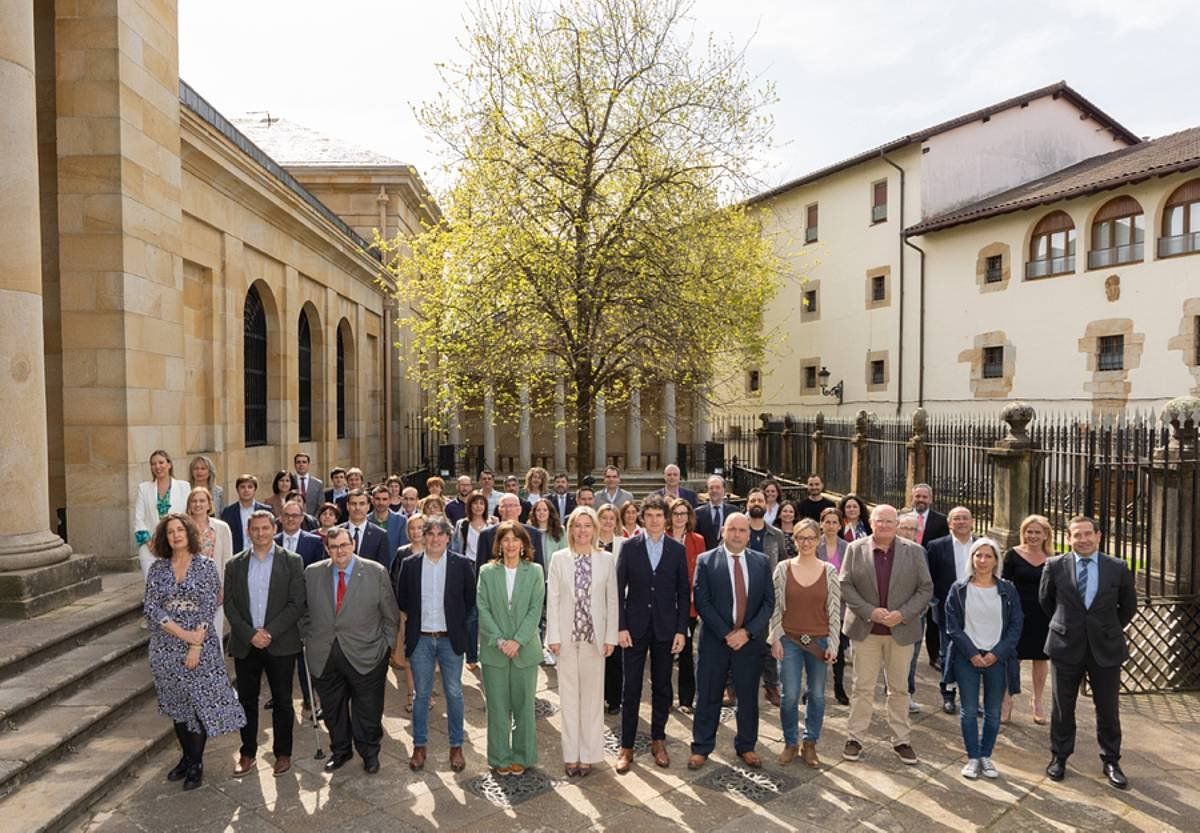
(624,760)
(282,764)
(730,698)
(658,748)
(244,765)
(789,754)
(751,759)
(696,761)
(808,754)
(772,692)
(457,762)
(516,769)
(417,761)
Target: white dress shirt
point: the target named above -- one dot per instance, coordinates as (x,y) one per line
(962,558)
(741,561)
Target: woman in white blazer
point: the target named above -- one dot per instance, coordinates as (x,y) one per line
(610,540)
(216,541)
(157,497)
(581,629)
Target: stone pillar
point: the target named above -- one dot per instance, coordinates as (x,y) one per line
(489,430)
(633,433)
(670,440)
(525,453)
(1174,471)
(818,445)
(600,436)
(37,570)
(560,426)
(701,433)
(918,453)
(860,449)
(1012,459)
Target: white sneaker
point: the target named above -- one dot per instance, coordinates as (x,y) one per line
(988,768)
(548,657)
(971,769)
(913,706)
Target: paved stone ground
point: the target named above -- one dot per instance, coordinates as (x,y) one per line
(878,793)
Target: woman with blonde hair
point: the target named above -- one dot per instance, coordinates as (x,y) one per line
(537,484)
(581,630)
(202,472)
(1023,567)
(216,542)
(157,497)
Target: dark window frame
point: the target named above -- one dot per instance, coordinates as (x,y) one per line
(812,222)
(304,378)
(341,384)
(753,380)
(1110,352)
(810,300)
(878,288)
(1186,200)
(255,394)
(996,274)
(878,372)
(992,362)
(810,377)
(879,202)
(1055,227)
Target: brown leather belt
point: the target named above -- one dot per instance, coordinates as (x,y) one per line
(434,633)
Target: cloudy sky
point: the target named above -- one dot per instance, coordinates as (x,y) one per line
(848,75)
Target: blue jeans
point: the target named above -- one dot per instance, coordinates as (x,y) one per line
(970,679)
(431,649)
(798,663)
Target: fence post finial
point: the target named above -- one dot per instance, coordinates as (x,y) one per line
(1017,415)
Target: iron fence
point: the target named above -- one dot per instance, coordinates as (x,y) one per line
(737,434)
(839,438)
(887,455)
(960,470)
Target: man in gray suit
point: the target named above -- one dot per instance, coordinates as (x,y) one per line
(886,586)
(612,491)
(310,488)
(349,628)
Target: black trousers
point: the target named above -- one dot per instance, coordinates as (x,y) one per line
(660,688)
(279,670)
(717,663)
(933,639)
(839,666)
(191,743)
(687,666)
(612,678)
(352,704)
(1065,680)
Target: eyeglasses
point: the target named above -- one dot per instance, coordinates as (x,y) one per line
(434,531)
(683,513)
(807,539)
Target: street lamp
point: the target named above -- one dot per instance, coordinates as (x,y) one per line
(836,390)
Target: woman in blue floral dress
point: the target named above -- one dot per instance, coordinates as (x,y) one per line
(193,686)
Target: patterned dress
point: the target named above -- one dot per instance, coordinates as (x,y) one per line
(202,697)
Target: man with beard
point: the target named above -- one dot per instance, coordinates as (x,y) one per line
(456,509)
(771,542)
(814,502)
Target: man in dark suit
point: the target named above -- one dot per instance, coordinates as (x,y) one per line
(931,525)
(436,634)
(351,621)
(337,480)
(1090,598)
(370,542)
(671,488)
(395,524)
(237,514)
(508,509)
(561,498)
(734,595)
(264,600)
(311,549)
(949,560)
(456,509)
(710,516)
(310,488)
(354,480)
(653,604)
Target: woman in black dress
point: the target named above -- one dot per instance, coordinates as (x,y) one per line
(1023,567)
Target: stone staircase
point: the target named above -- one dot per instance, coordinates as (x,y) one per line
(77,706)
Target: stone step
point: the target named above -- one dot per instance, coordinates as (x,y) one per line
(68,786)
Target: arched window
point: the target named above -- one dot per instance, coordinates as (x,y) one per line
(1118,233)
(341,384)
(305,374)
(1181,221)
(1052,247)
(254,369)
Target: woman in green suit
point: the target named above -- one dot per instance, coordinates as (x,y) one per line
(512,589)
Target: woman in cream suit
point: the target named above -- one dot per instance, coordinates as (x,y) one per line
(216,542)
(581,628)
(157,497)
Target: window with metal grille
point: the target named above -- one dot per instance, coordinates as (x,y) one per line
(254,369)
(877,377)
(341,385)
(1110,353)
(995,269)
(753,381)
(304,406)
(878,288)
(810,300)
(810,377)
(993,362)
(879,201)
(811,219)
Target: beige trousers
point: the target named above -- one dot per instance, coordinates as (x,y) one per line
(581,702)
(880,652)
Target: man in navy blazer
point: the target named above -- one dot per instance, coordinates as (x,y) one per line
(654,600)
(508,509)
(561,498)
(370,542)
(456,509)
(731,638)
(949,561)
(395,524)
(311,549)
(710,516)
(238,513)
(671,488)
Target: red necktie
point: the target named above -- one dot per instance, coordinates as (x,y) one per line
(303,487)
(920,529)
(739,590)
(341,590)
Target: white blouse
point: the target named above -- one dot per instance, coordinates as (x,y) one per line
(983,618)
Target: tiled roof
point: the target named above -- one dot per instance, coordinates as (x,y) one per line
(1167,154)
(295,145)
(1059,89)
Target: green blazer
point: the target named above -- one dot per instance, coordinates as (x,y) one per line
(500,620)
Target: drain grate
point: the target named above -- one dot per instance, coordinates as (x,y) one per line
(760,786)
(612,742)
(543,708)
(510,790)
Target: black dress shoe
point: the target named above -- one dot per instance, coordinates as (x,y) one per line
(841,698)
(180,770)
(267,706)
(1056,769)
(1112,771)
(612,709)
(948,706)
(195,777)
(337,761)
(371,765)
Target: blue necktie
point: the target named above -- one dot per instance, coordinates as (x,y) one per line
(1084,564)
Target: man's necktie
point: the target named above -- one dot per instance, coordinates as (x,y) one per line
(1083,579)
(304,486)
(356,540)
(341,590)
(920,528)
(739,590)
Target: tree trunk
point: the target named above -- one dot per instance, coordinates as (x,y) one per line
(583,427)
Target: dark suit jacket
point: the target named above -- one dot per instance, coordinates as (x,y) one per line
(483,554)
(714,598)
(705,525)
(653,604)
(374,545)
(232,515)
(936,527)
(456,510)
(686,494)
(285,603)
(397,532)
(343,513)
(939,553)
(309,547)
(1073,627)
(523,517)
(459,598)
(570,499)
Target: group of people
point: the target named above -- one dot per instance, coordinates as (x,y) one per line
(338,584)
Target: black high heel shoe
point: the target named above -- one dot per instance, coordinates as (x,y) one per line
(195,777)
(179,771)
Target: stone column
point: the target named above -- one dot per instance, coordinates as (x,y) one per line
(670,440)
(818,445)
(701,432)
(633,433)
(1012,459)
(860,448)
(37,570)
(525,453)
(1174,471)
(918,453)
(560,426)
(489,430)
(600,436)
